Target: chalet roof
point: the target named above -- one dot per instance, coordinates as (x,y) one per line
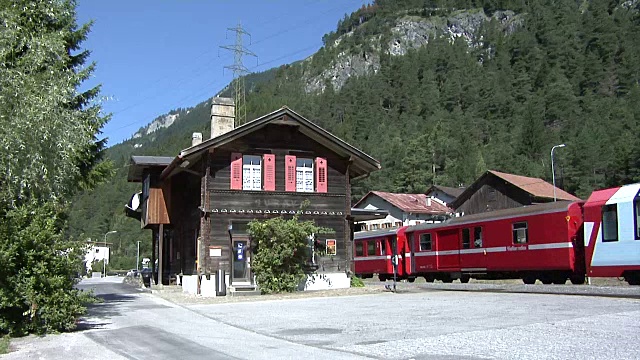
(140,163)
(367,214)
(409,203)
(451,191)
(536,187)
(361,163)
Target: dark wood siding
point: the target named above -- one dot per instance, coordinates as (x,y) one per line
(185,224)
(494,195)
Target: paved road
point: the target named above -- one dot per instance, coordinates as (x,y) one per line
(441,325)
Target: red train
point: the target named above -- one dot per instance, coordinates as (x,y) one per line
(552,242)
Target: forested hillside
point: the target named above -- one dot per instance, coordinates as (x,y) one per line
(439,92)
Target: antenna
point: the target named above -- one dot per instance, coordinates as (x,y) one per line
(239,71)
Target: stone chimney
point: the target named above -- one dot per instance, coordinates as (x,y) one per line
(196,139)
(429,201)
(222,116)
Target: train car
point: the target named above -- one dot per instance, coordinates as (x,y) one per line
(612,233)
(373,253)
(539,242)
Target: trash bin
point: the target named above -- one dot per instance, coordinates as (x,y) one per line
(221,284)
(146,277)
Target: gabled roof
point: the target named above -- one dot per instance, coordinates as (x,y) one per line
(140,163)
(451,191)
(361,163)
(409,203)
(536,187)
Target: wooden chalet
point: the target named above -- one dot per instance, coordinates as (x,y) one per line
(496,190)
(198,203)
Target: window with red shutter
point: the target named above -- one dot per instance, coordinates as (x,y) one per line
(321,175)
(236,171)
(269,165)
(290,173)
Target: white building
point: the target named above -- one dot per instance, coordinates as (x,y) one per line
(96,253)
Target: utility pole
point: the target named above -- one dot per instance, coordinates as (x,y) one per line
(239,72)
(553,172)
(104,259)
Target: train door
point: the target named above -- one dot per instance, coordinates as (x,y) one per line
(447,248)
(411,239)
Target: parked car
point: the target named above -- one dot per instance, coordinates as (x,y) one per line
(133,273)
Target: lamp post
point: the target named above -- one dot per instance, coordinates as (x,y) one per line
(104,259)
(553,173)
(138,257)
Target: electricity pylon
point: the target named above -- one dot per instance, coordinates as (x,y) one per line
(239,72)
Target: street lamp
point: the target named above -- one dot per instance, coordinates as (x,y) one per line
(104,259)
(553,173)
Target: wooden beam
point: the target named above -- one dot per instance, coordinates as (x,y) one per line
(160,253)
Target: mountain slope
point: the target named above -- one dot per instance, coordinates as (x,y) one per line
(440,94)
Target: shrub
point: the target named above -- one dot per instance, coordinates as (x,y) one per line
(280,252)
(356,281)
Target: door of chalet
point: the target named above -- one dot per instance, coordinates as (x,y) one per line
(240,271)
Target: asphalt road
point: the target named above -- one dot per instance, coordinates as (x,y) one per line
(421,325)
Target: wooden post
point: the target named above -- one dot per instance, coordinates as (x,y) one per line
(153,254)
(160,253)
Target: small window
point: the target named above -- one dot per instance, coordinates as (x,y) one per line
(371,248)
(383,251)
(491,196)
(520,233)
(304,175)
(610,223)
(359,249)
(425,242)
(477,237)
(251,172)
(466,239)
(636,207)
(398,223)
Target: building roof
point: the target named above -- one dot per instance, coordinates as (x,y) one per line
(536,187)
(410,203)
(361,163)
(140,163)
(451,191)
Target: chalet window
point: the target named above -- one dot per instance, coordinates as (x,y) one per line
(610,223)
(359,249)
(251,172)
(304,175)
(477,237)
(371,248)
(520,233)
(425,242)
(398,223)
(466,240)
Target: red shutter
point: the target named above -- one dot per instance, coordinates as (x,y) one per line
(290,173)
(321,175)
(236,171)
(269,161)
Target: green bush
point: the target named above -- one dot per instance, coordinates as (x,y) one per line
(4,345)
(356,281)
(280,252)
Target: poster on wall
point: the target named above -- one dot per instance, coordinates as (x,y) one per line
(331,247)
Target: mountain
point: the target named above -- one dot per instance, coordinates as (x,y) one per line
(439,92)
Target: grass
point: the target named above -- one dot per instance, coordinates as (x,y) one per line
(4,345)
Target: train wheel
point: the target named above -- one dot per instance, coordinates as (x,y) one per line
(633,279)
(577,279)
(447,279)
(412,279)
(559,280)
(465,279)
(546,279)
(529,279)
(382,278)
(428,278)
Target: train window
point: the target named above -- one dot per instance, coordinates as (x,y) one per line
(359,249)
(425,242)
(520,233)
(636,206)
(466,240)
(383,251)
(610,223)
(371,248)
(477,237)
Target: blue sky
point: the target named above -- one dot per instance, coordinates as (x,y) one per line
(155,56)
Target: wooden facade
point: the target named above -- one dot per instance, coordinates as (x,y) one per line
(204,229)
(496,191)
